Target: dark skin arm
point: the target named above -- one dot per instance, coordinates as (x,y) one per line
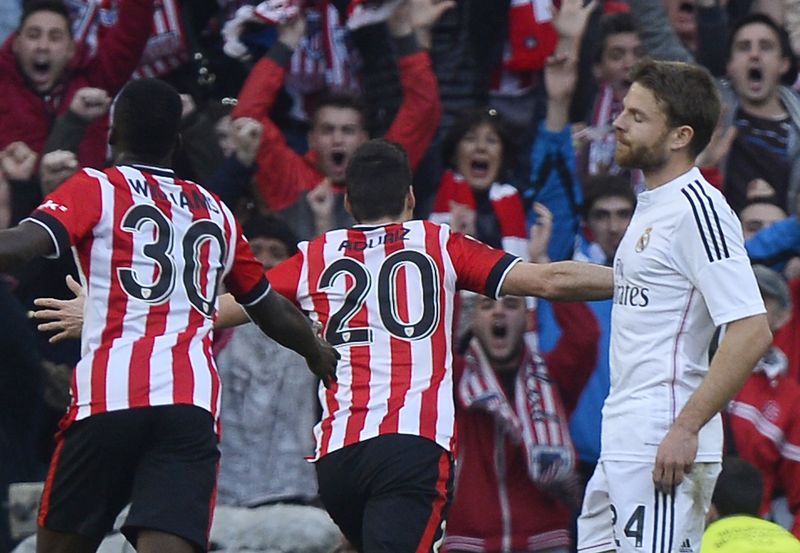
(279,319)
(23,243)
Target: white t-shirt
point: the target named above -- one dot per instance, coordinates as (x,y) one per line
(680,271)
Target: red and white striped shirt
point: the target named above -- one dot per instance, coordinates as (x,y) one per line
(384,296)
(151,250)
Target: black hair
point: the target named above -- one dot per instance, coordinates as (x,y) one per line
(471,119)
(687,95)
(147,118)
(342,101)
(763,200)
(787,78)
(271,226)
(377,179)
(35,6)
(598,187)
(739,488)
(612,24)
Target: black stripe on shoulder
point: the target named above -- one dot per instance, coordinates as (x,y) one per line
(707,220)
(699,225)
(56,229)
(498,274)
(259,291)
(716,219)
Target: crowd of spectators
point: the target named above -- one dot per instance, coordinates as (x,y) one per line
(506,111)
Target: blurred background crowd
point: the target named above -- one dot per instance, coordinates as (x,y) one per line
(506,110)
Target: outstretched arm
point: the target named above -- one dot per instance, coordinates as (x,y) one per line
(563,281)
(279,319)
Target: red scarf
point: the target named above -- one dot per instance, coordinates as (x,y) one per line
(537,420)
(506,203)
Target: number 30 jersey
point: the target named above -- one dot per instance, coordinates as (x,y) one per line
(385,298)
(151,250)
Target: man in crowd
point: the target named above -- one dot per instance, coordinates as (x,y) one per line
(338,125)
(41,69)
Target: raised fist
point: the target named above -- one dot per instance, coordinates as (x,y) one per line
(56,167)
(90,103)
(18,161)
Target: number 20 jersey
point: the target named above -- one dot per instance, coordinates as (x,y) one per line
(151,250)
(385,298)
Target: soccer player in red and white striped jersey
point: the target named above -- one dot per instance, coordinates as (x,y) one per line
(383,293)
(152,251)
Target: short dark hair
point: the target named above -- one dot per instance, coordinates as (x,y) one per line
(342,101)
(377,179)
(271,226)
(612,24)
(147,118)
(598,187)
(739,488)
(35,6)
(686,93)
(471,119)
(787,78)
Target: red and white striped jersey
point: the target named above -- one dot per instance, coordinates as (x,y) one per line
(151,250)
(384,296)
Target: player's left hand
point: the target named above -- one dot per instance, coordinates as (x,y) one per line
(674,458)
(64,316)
(323,362)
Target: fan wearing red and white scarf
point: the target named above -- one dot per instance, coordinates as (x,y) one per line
(536,420)
(506,204)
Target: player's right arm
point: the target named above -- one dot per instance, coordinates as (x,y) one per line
(23,243)
(561,281)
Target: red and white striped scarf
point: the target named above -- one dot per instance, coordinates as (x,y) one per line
(166,48)
(537,419)
(506,203)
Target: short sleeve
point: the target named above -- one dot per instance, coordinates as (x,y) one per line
(708,249)
(246,280)
(286,275)
(479,268)
(70,212)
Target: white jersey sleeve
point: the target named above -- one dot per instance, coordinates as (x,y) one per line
(709,251)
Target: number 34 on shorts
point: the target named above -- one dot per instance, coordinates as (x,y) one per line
(622,510)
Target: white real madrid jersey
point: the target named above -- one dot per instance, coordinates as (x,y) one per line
(680,271)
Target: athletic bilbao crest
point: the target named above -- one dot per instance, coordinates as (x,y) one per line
(644,240)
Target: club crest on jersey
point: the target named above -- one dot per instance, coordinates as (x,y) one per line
(644,240)
(50,204)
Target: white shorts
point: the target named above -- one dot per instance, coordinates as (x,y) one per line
(623,512)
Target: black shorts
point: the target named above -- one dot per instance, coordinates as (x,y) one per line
(389,493)
(163,460)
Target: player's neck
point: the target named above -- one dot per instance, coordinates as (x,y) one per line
(670,171)
(128,158)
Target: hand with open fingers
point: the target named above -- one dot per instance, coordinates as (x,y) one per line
(323,362)
(540,234)
(571,19)
(18,161)
(674,458)
(89,103)
(425,13)
(65,317)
